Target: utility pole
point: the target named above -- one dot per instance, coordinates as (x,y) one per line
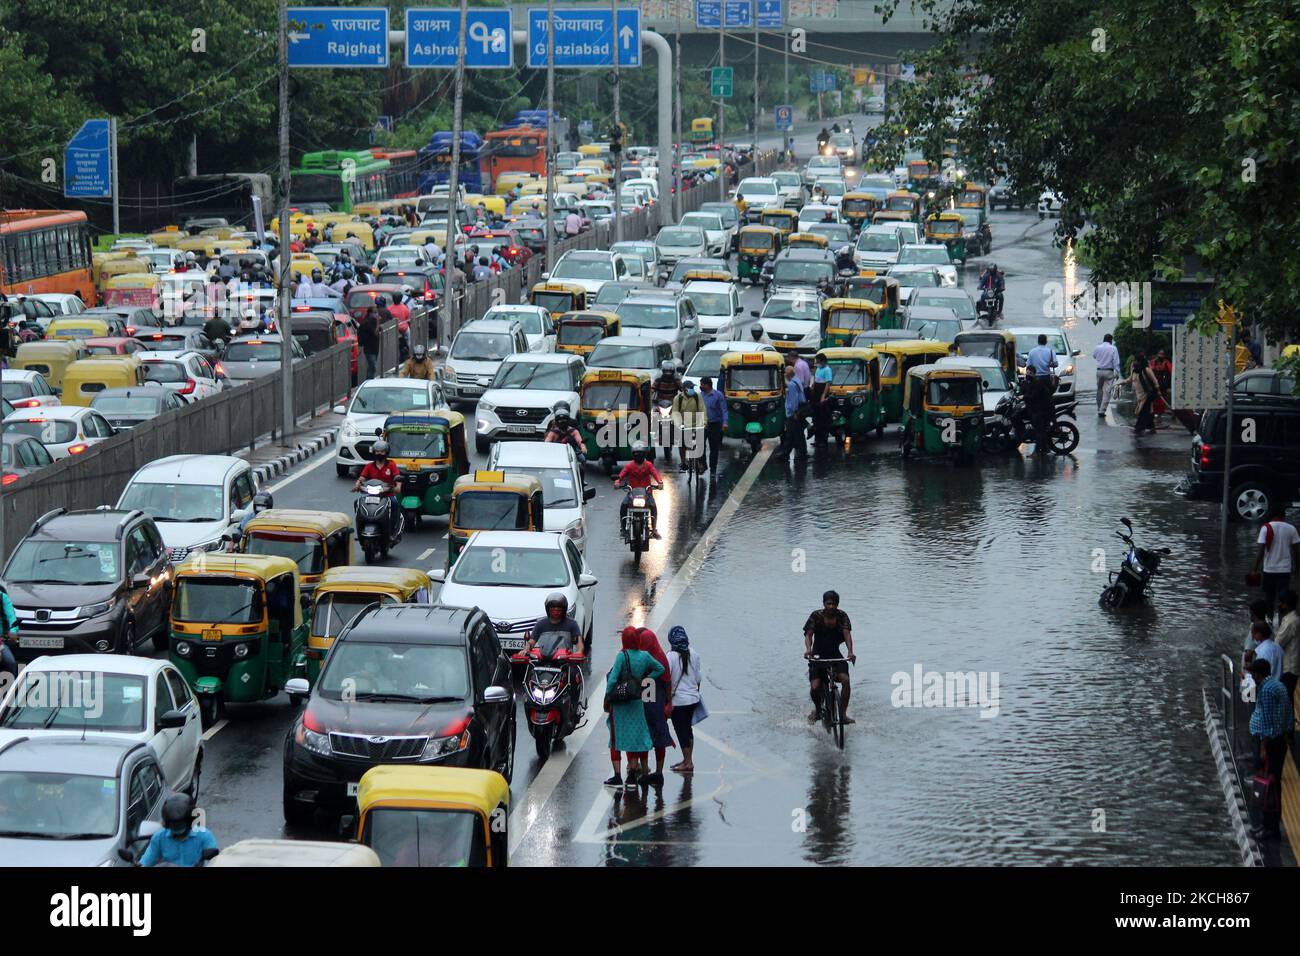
(676,158)
(722,103)
(754,13)
(786,32)
(453,187)
(287,417)
(618,157)
(550,129)
(113,179)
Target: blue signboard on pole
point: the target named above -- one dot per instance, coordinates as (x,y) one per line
(784,117)
(739,13)
(433,35)
(86,168)
(821,81)
(584,37)
(338,36)
(771,14)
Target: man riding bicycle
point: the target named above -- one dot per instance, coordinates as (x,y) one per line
(823,633)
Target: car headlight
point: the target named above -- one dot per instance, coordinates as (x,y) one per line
(241,650)
(94,610)
(858,399)
(486,406)
(439,747)
(184,648)
(1068,370)
(317,743)
(350,430)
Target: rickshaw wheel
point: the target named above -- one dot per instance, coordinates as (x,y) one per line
(754,444)
(413,519)
(880,431)
(209,709)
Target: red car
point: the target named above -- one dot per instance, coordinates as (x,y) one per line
(504,242)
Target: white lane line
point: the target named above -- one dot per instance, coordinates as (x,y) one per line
(529,809)
(325,459)
(212,731)
(425,553)
(589,835)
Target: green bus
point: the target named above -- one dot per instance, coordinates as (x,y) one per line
(341,178)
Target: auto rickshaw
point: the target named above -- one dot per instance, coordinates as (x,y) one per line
(314,330)
(599,181)
(343,593)
(882,290)
(315,540)
(294,853)
(507,182)
(69,327)
(167,237)
(429,451)
(972,196)
(784,221)
(237,634)
(754,246)
(857,209)
(614,412)
(943,411)
(51,358)
(904,201)
(753,384)
(854,394)
(701,130)
(559,297)
(303,264)
(882,216)
(706,275)
(495,205)
(806,240)
(118,264)
(493,501)
(842,319)
(896,358)
(590,151)
(530,207)
(134,288)
(919,173)
(580,332)
(999,344)
(434,816)
(86,378)
(949,229)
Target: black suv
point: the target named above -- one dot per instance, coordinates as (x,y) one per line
(414,684)
(90,581)
(1265,469)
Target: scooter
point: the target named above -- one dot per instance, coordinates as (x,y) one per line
(555,702)
(378,530)
(636,523)
(988,309)
(1130,584)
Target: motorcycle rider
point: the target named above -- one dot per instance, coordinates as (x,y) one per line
(758,335)
(663,390)
(556,622)
(994,282)
(381,468)
(563,430)
(823,138)
(419,365)
(180,842)
(640,473)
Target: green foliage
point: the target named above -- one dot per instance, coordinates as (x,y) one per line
(1130,340)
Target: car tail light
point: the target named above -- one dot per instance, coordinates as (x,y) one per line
(219,369)
(28,403)
(1205,455)
(131,330)
(78,448)
(8,479)
(189,386)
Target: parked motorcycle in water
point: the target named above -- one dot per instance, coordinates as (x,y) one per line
(1130,584)
(1012,425)
(555,702)
(379,523)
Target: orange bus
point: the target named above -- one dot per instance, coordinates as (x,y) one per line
(403,171)
(46,250)
(520,149)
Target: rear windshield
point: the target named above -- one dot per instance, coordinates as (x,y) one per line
(252,352)
(164,372)
(125,405)
(45,432)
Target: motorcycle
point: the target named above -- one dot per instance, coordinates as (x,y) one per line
(1011,425)
(636,523)
(378,530)
(988,309)
(1139,566)
(555,702)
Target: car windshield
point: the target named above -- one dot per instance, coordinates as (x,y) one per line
(856,320)
(804,308)
(165,372)
(680,237)
(706,362)
(751,187)
(302,549)
(557,485)
(386,399)
(490,511)
(939,330)
(824,162)
(57,806)
(703,220)
(45,431)
(217,600)
(425,838)
(419,673)
(529,320)
(609,396)
(175,502)
(877,242)
(804,273)
(841,139)
(252,352)
(481,346)
(848,373)
(831,187)
(710,303)
(485,566)
(417,443)
(728,213)
(916,278)
(637,250)
(645,315)
(41,561)
(995,380)
(759,378)
(954,391)
(335,611)
(838,234)
(584,267)
(787,179)
(1026,342)
(13,391)
(961,305)
(545,375)
(77,700)
(164,343)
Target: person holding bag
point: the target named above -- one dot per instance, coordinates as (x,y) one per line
(1145,391)
(8,633)
(658,708)
(628,732)
(688,705)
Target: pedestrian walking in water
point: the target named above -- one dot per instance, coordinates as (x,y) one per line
(1145,391)
(628,732)
(1279,548)
(1108,370)
(688,704)
(658,707)
(1270,723)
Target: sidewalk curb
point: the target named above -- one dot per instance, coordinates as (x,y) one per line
(1238,813)
(305,450)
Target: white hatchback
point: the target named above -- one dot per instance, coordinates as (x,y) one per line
(187,373)
(565,491)
(64,430)
(374,401)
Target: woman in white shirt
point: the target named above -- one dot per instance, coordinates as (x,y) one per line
(684,673)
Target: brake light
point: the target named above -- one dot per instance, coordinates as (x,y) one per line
(34,420)
(156,338)
(8,479)
(29,403)
(302,308)
(219,369)
(189,386)
(78,448)
(254,341)
(1205,455)
(131,330)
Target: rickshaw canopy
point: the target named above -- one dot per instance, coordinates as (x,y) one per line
(806,240)
(450,788)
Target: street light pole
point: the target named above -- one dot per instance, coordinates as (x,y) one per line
(453,187)
(282,304)
(618,157)
(676,158)
(722,103)
(754,13)
(550,132)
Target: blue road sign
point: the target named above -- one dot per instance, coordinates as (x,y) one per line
(338,36)
(86,171)
(784,117)
(771,14)
(432,37)
(821,81)
(740,14)
(583,37)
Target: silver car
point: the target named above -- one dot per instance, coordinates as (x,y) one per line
(252,356)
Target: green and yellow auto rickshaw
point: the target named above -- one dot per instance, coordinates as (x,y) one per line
(343,593)
(314,540)
(753,385)
(434,816)
(972,196)
(896,359)
(559,297)
(857,209)
(842,319)
(943,411)
(998,344)
(806,240)
(883,291)
(754,246)
(948,229)
(854,393)
(614,412)
(493,501)
(920,172)
(884,216)
(904,202)
(236,634)
(429,451)
(580,332)
(784,221)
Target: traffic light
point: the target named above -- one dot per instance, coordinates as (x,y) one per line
(616,133)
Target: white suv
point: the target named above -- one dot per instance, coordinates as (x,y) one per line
(564,489)
(588,268)
(375,399)
(194,499)
(523,394)
(476,353)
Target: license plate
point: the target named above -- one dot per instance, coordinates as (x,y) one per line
(471,390)
(211,634)
(373,500)
(520,429)
(352,790)
(48,643)
(511,643)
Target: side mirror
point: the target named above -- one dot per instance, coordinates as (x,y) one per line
(1126,523)
(339,410)
(438,574)
(171,720)
(754,313)
(546,276)
(305,601)
(496,694)
(297,687)
(126,855)
(588,493)
(238,515)
(1076,352)
(146,831)
(587,580)
(140,581)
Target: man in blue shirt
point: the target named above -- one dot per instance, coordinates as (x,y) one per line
(1271,721)
(181,843)
(715,410)
(795,398)
(1042,357)
(821,386)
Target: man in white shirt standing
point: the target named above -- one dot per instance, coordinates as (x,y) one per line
(1108,368)
(1278,540)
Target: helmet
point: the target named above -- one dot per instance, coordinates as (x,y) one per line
(315,274)
(381,300)
(178,814)
(408,291)
(557,599)
(379,449)
(561,409)
(667,367)
(263,500)
(419,352)
(756,331)
(638,452)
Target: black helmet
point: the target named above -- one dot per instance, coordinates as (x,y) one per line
(379,449)
(263,500)
(557,599)
(756,331)
(561,410)
(381,300)
(638,452)
(178,814)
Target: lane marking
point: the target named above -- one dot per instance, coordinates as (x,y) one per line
(212,731)
(425,554)
(529,809)
(324,460)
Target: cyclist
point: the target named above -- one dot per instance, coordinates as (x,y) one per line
(823,633)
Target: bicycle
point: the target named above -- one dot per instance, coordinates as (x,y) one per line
(831,708)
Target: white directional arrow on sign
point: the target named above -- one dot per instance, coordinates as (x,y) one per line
(625,35)
(296,37)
